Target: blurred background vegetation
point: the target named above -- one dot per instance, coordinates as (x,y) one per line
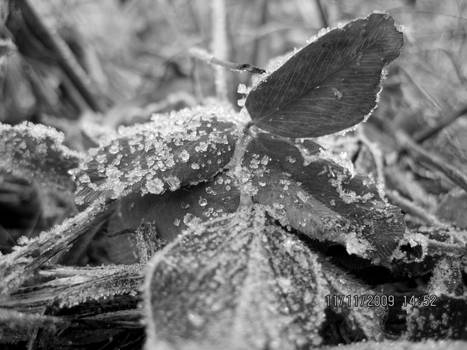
(136,53)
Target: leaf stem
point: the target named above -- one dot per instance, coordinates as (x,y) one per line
(209,58)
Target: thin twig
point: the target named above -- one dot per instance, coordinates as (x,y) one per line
(408,144)
(425,134)
(205,56)
(375,152)
(413,209)
(219,45)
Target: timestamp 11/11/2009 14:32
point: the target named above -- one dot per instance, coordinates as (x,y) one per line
(379,300)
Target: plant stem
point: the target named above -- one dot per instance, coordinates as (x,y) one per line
(413,209)
(209,58)
(219,45)
(406,142)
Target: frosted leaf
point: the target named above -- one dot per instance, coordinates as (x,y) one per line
(239,282)
(37,153)
(405,345)
(321,198)
(234,283)
(166,213)
(329,85)
(171,151)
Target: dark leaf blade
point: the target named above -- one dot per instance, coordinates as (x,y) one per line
(301,187)
(237,283)
(172,151)
(172,212)
(165,216)
(329,85)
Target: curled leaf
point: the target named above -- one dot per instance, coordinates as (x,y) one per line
(180,149)
(303,188)
(329,85)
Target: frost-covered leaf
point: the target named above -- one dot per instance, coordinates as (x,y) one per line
(170,213)
(235,283)
(173,150)
(36,152)
(35,186)
(239,282)
(329,85)
(404,345)
(304,188)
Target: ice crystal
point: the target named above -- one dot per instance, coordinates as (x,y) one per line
(153,157)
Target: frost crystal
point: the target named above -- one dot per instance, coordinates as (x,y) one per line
(153,157)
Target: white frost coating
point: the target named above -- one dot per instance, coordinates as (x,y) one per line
(25,148)
(153,155)
(40,133)
(258,289)
(413,240)
(354,245)
(348,196)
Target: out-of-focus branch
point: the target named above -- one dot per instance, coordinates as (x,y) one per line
(219,45)
(322,14)
(261,22)
(425,134)
(413,209)
(408,144)
(27,26)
